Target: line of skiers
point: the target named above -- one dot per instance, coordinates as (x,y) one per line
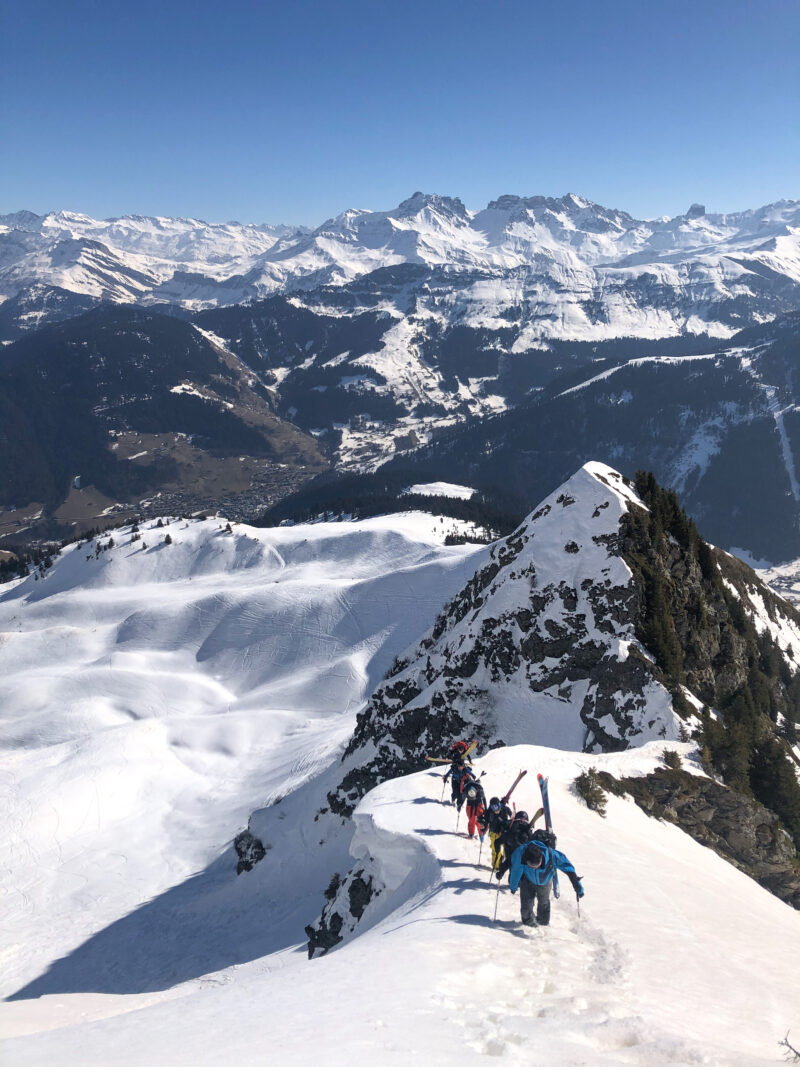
(529,854)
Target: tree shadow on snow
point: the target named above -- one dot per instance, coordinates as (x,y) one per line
(211,921)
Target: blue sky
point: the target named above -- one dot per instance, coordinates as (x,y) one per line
(270,112)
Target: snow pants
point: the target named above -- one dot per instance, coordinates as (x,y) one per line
(529,894)
(472,817)
(497,850)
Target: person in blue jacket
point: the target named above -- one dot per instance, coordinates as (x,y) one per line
(532,868)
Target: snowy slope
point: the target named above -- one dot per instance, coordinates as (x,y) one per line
(581,264)
(156,700)
(151,698)
(676,957)
(540,647)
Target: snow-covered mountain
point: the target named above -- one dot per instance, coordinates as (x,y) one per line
(598,624)
(379,331)
(156,700)
(575,269)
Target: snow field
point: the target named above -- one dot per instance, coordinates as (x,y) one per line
(676,957)
(150,700)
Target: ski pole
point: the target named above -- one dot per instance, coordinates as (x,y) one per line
(480,850)
(458,819)
(444,786)
(496,898)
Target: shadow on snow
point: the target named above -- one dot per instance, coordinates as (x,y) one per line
(211,921)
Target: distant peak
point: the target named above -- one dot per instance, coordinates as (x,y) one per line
(443,205)
(696,211)
(22,220)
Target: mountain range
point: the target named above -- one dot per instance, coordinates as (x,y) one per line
(498,348)
(561,267)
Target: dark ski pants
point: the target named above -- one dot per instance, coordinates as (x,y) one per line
(528,895)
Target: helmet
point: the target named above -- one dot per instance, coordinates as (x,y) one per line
(495,801)
(533,856)
(521,816)
(472,792)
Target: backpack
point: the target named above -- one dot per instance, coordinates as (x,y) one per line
(547,837)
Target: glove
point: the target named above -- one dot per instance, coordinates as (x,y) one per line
(498,875)
(578,890)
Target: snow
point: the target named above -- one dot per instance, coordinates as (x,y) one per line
(675,958)
(152,698)
(459,492)
(553,254)
(191,390)
(156,700)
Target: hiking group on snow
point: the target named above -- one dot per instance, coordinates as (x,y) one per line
(529,854)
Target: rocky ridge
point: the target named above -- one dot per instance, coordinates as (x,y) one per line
(604,622)
(540,647)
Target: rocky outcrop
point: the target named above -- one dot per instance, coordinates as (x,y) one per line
(539,647)
(347,901)
(249,850)
(736,827)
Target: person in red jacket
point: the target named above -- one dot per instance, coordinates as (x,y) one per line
(473,796)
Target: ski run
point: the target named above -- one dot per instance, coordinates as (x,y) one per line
(153,699)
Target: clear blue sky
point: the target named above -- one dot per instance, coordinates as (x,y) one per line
(294,111)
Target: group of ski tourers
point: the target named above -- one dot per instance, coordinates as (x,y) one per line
(530,854)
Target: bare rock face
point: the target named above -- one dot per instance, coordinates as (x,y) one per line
(347,900)
(736,827)
(249,850)
(539,648)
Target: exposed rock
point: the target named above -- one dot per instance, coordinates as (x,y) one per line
(347,902)
(249,850)
(736,827)
(552,640)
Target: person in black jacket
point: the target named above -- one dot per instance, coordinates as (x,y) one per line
(473,796)
(458,769)
(518,833)
(496,820)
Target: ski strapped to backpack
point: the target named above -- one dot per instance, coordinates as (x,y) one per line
(514,785)
(548,822)
(451,759)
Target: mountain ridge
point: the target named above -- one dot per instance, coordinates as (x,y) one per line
(570,233)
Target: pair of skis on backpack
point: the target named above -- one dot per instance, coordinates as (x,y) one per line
(548,822)
(544,810)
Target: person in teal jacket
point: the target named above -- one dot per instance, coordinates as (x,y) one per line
(532,868)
